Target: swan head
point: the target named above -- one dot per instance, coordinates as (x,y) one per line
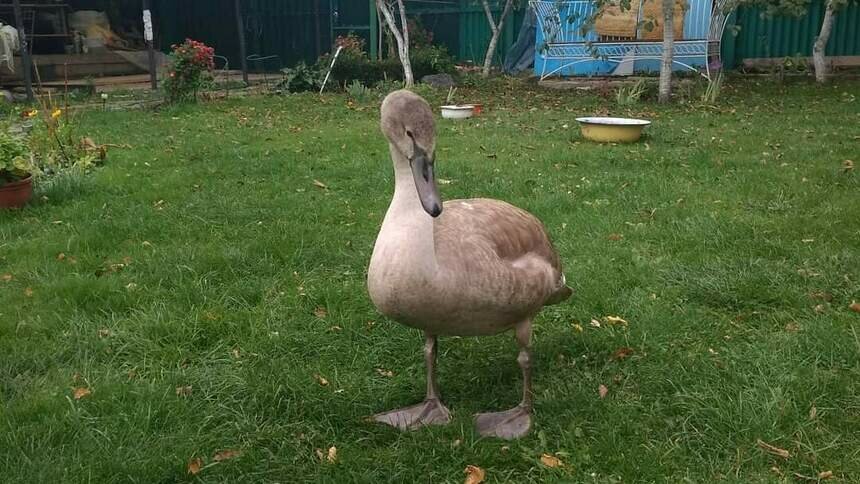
(407,121)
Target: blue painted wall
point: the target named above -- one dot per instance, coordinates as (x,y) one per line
(696,23)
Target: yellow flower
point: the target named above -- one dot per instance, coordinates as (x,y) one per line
(31,113)
(56,114)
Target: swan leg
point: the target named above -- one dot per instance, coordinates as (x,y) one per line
(516,422)
(429,412)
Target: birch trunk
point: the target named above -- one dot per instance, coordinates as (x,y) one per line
(496,30)
(665,91)
(401,36)
(820,44)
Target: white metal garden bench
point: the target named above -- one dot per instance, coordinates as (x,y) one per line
(562,46)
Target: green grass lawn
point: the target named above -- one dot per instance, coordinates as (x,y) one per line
(211,296)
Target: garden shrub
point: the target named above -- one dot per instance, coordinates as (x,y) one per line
(353,63)
(301,77)
(190,71)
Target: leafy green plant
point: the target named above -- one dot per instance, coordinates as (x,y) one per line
(433,59)
(16,160)
(57,145)
(715,87)
(49,145)
(189,71)
(629,95)
(301,77)
(450,98)
(357,90)
(385,86)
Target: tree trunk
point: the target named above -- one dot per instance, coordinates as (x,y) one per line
(820,45)
(665,92)
(496,30)
(401,36)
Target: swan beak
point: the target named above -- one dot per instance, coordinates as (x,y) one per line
(425,182)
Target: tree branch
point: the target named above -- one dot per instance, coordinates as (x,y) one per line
(490,20)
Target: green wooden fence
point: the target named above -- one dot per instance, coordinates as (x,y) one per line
(462,27)
(297,30)
(759,36)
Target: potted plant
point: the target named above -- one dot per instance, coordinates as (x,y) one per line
(17,169)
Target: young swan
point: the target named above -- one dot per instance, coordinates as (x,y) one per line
(468,267)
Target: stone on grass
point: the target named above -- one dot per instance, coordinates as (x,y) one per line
(439,80)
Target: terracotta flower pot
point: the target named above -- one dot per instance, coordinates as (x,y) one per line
(16,194)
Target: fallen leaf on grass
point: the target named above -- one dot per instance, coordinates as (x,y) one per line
(551,460)
(113,267)
(104,333)
(622,353)
(384,372)
(211,315)
(770,449)
(28,292)
(320,312)
(81,392)
(614,320)
(615,237)
(821,296)
(226,455)
(183,391)
(195,466)
(6,277)
(854,306)
(822,476)
(847,166)
(474,475)
(322,381)
(577,327)
(90,146)
(320,185)
(602,391)
(330,456)
(792,327)
(813,412)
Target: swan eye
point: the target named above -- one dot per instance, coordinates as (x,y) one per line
(409,133)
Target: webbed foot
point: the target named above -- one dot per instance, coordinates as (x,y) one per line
(428,412)
(510,424)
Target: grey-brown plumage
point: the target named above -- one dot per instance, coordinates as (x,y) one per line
(465,267)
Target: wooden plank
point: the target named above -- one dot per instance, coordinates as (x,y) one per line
(138,81)
(79,59)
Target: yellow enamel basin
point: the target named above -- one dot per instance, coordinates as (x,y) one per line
(612,130)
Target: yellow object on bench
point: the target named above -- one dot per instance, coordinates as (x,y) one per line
(617,23)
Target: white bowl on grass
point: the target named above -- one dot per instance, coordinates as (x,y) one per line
(458,111)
